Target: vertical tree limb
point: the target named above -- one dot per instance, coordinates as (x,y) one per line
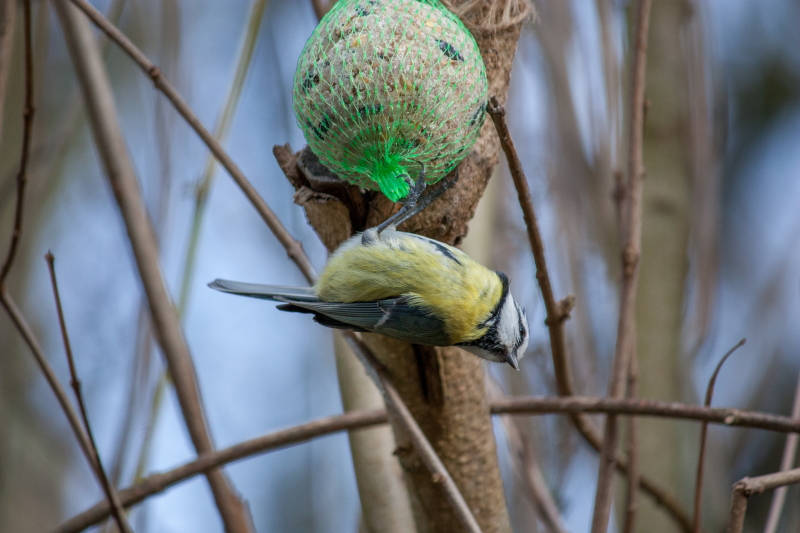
(8,15)
(787,460)
(631,239)
(385,504)
(634,474)
(556,321)
(423,446)
(119,170)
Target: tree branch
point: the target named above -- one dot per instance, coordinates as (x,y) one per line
(293,247)
(524,405)
(94,460)
(787,460)
(558,313)
(748,486)
(27,133)
(698,487)
(631,239)
(110,143)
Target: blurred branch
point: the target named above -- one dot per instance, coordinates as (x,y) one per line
(426,452)
(110,143)
(321,7)
(527,468)
(558,313)
(631,242)
(94,460)
(698,487)
(221,130)
(789,452)
(8,15)
(523,405)
(748,486)
(294,248)
(27,133)
(632,489)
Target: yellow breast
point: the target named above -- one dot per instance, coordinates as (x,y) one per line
(439,278)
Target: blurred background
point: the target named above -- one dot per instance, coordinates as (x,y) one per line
(721,256)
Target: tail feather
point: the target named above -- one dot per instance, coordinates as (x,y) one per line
(277,293)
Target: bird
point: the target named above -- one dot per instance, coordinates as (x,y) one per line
(411,288)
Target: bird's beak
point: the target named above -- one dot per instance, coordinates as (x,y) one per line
(512,360)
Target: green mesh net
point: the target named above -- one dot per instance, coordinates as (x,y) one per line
(385,85)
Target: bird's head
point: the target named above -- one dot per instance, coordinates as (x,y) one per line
(506,338)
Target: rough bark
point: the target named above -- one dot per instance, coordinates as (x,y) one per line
(443,387)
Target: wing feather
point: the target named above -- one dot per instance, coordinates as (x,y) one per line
(277,293)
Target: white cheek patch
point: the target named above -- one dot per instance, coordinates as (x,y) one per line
(508,327)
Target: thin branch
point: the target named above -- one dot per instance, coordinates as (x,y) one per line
(787,461)
(202,190)
(156,483)
(99,102)
(748,486)
(8,15)
(558,313)
(27,132)
(634,474)
(527,468)
(293,247)
(698,486)
(221,130)
(423,447)
(97,464)
(525,405)
(631,239)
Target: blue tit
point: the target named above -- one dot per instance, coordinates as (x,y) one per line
(411,288)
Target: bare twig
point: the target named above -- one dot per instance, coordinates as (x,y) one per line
(27,132)
(787,461)
(525,405)
(632,490)
(748,486)
(426,452)
(631,239)
(558,313)
(108,137)
(293,247)
(202,190)
(8,14)
(97,464)
(698,487)
(527,468)
(221,129)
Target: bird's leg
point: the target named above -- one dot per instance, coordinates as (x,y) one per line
(409,203)
(413,204)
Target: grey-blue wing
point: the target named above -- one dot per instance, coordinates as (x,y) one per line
(393,317)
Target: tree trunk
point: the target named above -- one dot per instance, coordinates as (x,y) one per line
(443,387)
